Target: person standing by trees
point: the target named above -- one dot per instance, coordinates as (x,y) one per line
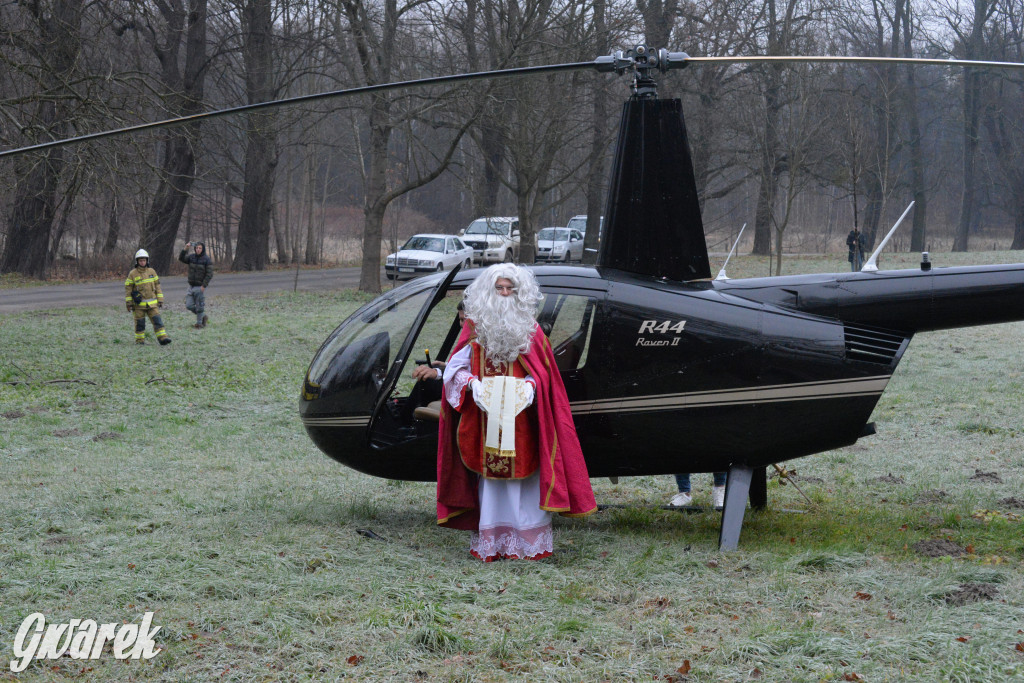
(855,241)
(142,297)
(200,272)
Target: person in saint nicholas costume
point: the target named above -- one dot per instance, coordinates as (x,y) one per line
(508,455)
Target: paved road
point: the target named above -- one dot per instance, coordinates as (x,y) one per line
(111,292)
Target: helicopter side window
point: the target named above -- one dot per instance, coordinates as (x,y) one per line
(571,321)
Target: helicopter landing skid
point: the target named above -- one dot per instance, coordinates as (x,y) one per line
(743,481)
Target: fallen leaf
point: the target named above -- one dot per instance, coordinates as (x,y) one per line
(685,668)
(354,659)
(902,528)
(891,615)
(712,563)
(862,596)
(852,677)
(1019,647)
(756,673)
(970,548)
(964,639)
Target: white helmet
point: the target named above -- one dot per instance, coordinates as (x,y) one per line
(141,253)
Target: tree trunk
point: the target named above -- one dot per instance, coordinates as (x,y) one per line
(37,176)
(768,191)
(28,233)
(282,248)
(973,48)
(177,172)
(113,228)
(176,179)
(376,188)
(253,249)
(1018,220)
(874,199)
(659,16)
(596,173)
(228,219)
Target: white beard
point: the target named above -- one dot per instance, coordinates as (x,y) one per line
(504,327)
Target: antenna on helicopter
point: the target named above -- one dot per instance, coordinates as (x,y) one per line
(871,265)
(721,274)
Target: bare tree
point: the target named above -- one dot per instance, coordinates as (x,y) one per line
(54,51)
(175,26)
(252,251)
(382,43)
(1004,118)
(968,26)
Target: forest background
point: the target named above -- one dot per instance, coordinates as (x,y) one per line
(801,152)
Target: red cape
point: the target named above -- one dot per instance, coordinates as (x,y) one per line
(564,482)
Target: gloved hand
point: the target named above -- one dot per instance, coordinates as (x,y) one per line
(532,393)
(159,304)
(129,307)
(475,386)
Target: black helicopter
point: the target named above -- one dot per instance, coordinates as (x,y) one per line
(666,369)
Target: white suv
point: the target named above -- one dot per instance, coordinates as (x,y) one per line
(494,239)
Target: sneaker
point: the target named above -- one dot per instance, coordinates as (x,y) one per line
(680,500)
(164,341)
(206,320)
(718,497)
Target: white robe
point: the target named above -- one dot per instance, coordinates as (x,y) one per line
(511,521)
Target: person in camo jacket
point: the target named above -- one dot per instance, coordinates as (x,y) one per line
(142,298)
(200,272)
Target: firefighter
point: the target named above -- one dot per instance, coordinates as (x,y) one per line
(143,297)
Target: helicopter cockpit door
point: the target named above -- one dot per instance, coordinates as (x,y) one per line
(374,434)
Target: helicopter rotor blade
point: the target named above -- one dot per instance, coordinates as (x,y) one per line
(300,99)
(788,59)
(619,62)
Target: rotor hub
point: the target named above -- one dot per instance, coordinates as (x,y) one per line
(642,62)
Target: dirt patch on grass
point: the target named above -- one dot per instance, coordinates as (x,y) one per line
(63,433)
(809,480)
(106,436)
(14,414)
(1012,502)
(986,477)
(971,592)
(939,547)
(934,496)
(890,479)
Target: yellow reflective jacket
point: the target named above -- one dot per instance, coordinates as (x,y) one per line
(148,283)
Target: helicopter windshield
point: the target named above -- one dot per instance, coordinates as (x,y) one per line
(357,354)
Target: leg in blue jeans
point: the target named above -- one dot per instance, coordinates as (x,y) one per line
(683,480)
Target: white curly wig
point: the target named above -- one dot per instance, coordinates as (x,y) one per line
(504,324)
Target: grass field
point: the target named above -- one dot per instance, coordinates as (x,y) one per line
(179,480)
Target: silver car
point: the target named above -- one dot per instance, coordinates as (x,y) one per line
(559,244)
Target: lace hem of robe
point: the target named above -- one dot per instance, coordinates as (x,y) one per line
(507,542)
